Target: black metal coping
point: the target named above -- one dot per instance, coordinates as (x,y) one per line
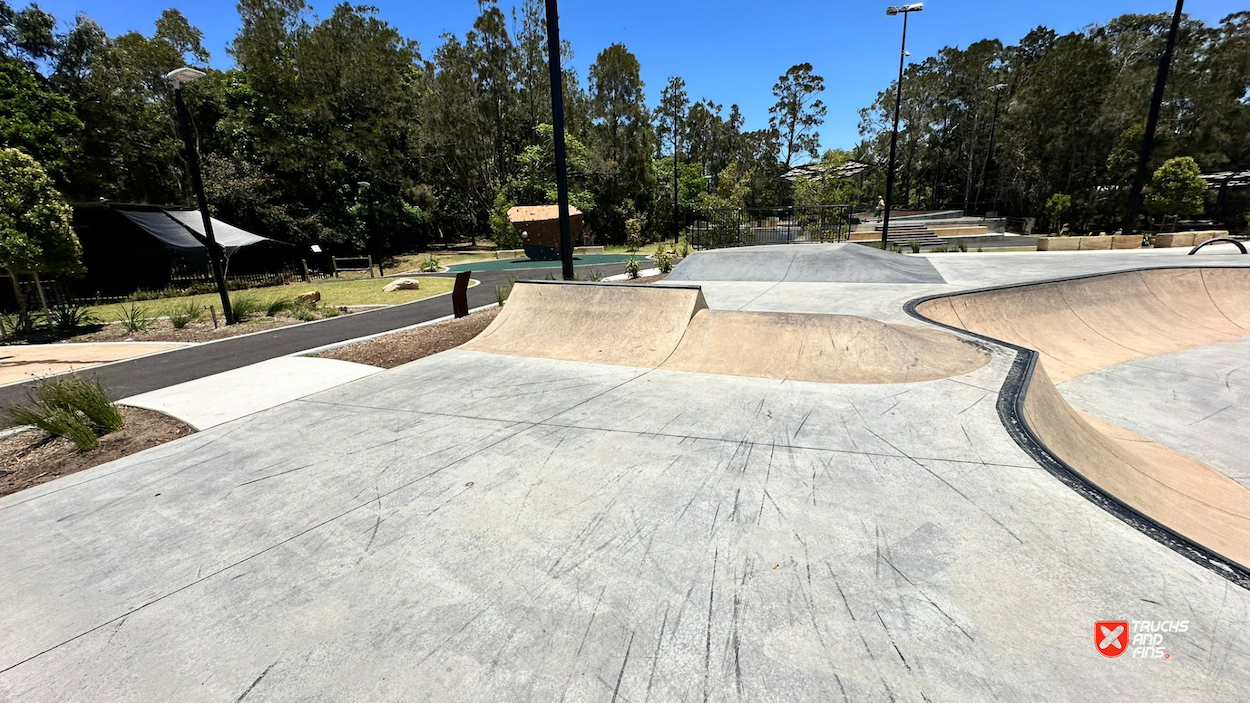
(1011,413)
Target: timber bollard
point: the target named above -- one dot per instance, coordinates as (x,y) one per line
(460,295)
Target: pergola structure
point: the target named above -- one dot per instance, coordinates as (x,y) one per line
(818,171)
(1223,181)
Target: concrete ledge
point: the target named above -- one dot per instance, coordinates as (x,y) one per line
(1058,243)
(1097,243)
(1187,239)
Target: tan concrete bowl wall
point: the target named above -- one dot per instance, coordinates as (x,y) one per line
(1085,325)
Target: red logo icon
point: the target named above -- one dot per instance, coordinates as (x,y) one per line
(1111,637)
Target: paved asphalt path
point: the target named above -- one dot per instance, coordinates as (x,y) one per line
(127,378)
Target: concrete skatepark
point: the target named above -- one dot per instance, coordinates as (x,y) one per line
(776,477)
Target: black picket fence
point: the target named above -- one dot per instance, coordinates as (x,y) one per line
(737,227)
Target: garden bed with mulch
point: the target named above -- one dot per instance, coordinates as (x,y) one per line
(30,457)
(391,350)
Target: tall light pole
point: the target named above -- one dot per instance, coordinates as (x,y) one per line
(898,105)
(1152,121)
(366,188)
(557,124)
(180,77)
(997,90)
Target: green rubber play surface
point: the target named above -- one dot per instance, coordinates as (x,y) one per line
(510,264)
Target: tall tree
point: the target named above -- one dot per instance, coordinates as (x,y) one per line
(623,138)
(35,120)
(798,112)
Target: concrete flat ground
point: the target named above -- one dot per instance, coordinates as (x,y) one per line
(480,526)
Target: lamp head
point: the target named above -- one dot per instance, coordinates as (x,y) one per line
(891,10)
(181,76)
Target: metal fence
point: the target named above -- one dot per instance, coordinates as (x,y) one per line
(737,227)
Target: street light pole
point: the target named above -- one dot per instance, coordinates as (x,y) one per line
(989,154)
(180,77)
(557,124)
(371,223)
(1152,121)
(898,106)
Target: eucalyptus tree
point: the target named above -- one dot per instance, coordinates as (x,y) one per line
(798,112)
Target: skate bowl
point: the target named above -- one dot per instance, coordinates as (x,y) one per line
(671,327)
(1079,326)
(806,263)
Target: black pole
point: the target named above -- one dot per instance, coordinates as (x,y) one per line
(197,184)
(889,174)
(557,123)
(1152,121)
(989,155)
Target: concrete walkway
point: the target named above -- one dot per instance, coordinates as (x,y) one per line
(478,526)
(210,401)
(23,363)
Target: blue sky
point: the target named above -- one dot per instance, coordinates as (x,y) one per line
(731,51)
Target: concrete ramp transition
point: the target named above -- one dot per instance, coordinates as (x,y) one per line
(622,324)
(820,348)
(1080,326)
(670,327)
(806,263)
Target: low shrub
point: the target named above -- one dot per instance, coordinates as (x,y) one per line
(595,275)
(245,306)
(304,313)
(633,234)
(428,264)
(135,317)
(279,305)
(664,262)
(68,315)
(683,249)
(915,246)
(83,396)
(185,313)
(501,294)
(18,323)
(72,407)
(632,267)
(166,292)
(58,423)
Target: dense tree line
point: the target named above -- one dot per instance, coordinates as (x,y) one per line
(341,130)
(1072,115)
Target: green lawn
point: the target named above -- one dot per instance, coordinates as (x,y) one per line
(366,291)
